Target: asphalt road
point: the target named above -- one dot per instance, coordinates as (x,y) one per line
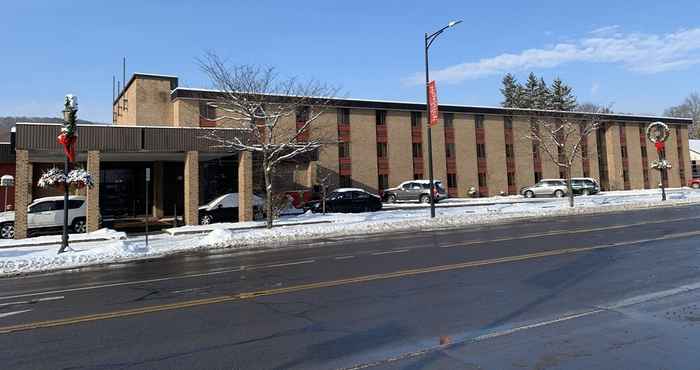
(614,291)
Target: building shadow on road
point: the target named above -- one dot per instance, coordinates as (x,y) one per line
(372,339)
(559,280)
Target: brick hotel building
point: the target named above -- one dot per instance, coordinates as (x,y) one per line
(159,125)
(382,143)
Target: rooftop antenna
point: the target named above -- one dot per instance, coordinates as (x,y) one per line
(119,86)
(124,71)
(114,94)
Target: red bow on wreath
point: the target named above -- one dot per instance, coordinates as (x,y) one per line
(68,143)
(659,146)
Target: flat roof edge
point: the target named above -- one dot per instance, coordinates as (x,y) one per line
(181,92)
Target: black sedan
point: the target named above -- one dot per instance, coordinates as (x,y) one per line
(348,200)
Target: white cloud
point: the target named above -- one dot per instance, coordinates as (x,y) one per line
(641,53)
(594,88)
(605,30)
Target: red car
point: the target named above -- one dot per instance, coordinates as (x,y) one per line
(694,183)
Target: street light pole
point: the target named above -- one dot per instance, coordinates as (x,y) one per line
(429,38)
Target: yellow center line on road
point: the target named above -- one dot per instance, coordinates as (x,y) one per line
(322,284)
(291,263)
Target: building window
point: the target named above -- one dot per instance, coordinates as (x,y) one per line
(625,176)
(417,150)
(623,149)
(508,122)
(415,119)
(511,178)
(344,150)
(450,150)
(482,179)
(586,173)
(451,180)
(382,151)
(510,151)
(381,117)
(448,118)
(383,181)
(538,176)
(206,111)
(479,121)
(345,181)
(343,116)
(644,151)
(562,174)
(302,114)
(481,151)
(418,176)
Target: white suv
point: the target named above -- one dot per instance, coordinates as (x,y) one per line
(47,213)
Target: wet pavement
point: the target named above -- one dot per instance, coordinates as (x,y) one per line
(610,291)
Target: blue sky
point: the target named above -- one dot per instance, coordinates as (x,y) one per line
(640,56)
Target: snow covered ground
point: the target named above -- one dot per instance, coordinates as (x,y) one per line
(26,259)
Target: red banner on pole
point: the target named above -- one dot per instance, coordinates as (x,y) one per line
(433,104)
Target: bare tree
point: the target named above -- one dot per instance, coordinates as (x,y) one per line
(561,137)
(690,108)
(275,115)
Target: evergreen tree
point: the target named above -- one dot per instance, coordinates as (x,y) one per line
(542,95)
(561,96)
(511,92)
(530,92)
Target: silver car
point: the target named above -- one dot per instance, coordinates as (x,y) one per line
(415,190)
(546,188)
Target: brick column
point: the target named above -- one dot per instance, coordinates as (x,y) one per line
(245,186)
(23,179)
(93,195)
(311,174)
(158,206)
(191,179)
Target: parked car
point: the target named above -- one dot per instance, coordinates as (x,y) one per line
(584,186)
(694,183)
(347,200)
(418,190)
(547,187)
(225,209)
(46,214)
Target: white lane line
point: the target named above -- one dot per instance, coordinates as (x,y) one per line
(564,232)
(188,290)
(124,283)
(32,301)
(6,314)
(390,252)
(535,325)
(287,264)
(652,296)
(344,257)
(146,281)
(242,268)
(501,333)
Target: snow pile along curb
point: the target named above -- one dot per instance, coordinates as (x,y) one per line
(315,226)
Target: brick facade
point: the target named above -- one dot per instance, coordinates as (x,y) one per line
(363,168)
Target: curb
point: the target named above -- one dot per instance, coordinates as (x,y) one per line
(191,232)
(267,246)
(55,243)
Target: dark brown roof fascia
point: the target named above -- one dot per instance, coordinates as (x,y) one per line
(183,93)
